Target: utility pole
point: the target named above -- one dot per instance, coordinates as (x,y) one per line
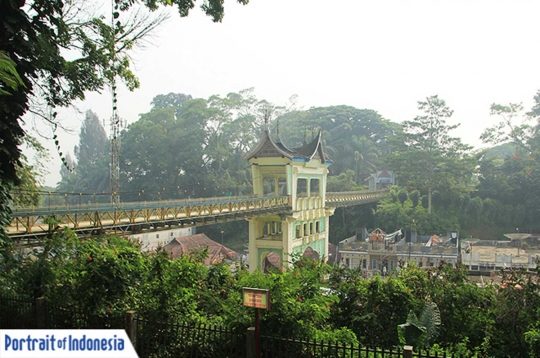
(115,118)
(115,153)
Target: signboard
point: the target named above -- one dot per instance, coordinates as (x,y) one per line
(256,297)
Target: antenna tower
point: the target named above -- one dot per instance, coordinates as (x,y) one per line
(115,119)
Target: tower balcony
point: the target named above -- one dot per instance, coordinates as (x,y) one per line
(308,238)
(308,203)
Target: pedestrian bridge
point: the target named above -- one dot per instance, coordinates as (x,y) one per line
(30,223)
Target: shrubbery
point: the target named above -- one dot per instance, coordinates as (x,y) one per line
(110,275)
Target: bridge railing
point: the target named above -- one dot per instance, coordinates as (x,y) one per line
(141,204)
(331,197)
(357,192)
(354,197)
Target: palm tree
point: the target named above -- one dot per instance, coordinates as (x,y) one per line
(363,152)
(357,157)
(422,332)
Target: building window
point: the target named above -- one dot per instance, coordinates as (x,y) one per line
(347,262)
(391,264)
(305,230)
(172,233)
(311,228)
(301,187)
(269,185)
(364,263)
(298,231)
(374,264)
(314,187)
(157,236)
(282,186)
(317,226)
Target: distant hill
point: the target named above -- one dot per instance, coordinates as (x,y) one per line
(502,151)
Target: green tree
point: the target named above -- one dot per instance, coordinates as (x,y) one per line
(175,100)
(9,77)
(432,158)
(510,128)
(346,130)
(31,171)
(341,182)
(36,36)
(415,198)
(90,173)
(512,180)
(161,151)
(402,196)
(93,142)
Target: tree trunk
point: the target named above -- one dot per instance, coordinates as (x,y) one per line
(429,201)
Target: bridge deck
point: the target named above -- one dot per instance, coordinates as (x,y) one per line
(34,222)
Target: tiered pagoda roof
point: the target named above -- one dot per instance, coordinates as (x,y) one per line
(267,147)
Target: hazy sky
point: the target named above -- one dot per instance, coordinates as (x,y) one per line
(379,54)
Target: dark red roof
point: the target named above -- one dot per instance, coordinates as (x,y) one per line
(272,260)
(311,254)
(216,252)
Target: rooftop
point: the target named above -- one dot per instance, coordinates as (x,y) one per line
(184,245)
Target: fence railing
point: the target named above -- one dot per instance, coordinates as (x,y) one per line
(165,339)
(17,312)
(59,316)
(277,347)
(153,339)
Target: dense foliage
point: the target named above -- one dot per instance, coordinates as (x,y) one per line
(109,275)
(51,53)
(195,147)
(484,194)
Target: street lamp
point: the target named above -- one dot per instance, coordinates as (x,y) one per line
(222,232)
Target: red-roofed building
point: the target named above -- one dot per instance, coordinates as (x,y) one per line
(216,252)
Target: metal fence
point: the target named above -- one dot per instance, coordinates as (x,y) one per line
(156,339)
(60,316)
(427,354)
(17,312)
(277,347)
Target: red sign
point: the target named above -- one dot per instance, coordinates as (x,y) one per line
(256,297)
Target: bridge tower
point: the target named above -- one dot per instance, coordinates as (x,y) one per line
(301,175)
